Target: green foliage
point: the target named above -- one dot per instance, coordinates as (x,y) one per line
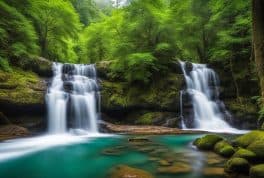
(17,36)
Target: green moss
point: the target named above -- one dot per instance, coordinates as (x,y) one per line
(257,171)
(258,148)
(237,165)
(207,142)
(243,105)
(224,148)
(245,140)
(22,87)
(246,154)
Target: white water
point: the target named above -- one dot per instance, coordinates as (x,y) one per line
(203,88)
(72,99)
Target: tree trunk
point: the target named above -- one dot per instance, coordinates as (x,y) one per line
(258,39)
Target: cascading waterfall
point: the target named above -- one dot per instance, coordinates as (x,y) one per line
(73,99)
(203,89)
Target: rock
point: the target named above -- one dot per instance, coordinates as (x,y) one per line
(4,119)
(246,139)
(124,171)
(213,171)
(12,131)
(164,163)
(258,148)
(27,97)
(213,158)
(237,165)
(246,154)
(224,148)
(112,151)
(257,171)
(207,142)
(42,66)
(176,168)
(139,139)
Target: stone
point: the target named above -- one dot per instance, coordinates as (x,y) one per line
(12,131)
(124,171)
(246,139)
(176,168)
(224,148)
(213,171)
(237,165)
(258,148)
(207,142)
(164,163)
(257,171)
(246,154)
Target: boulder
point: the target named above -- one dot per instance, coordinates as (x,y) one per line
(257,171)
(257,147)
(246,139)
(246,154)
(237,165)
(124,171)
(207,142)
(224,148)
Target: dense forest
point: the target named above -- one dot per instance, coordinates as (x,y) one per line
(138,38)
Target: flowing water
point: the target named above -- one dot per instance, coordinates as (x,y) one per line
(94,157)
(203,89)
(73,99)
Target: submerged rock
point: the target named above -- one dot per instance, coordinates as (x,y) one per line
(257,171)
(124,171)
(213,171)
(207,142)
(237,165)
(176,168)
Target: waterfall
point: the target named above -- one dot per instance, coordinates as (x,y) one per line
(73,99)
(203,90)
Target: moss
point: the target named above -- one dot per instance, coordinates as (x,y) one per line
(22,88)
(245,140)
(207,142)
(146,119)
(224,148)
(257,171)
(237,165)
(258,148)
(246,154)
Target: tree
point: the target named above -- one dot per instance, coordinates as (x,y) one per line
(56,23)
(258,41)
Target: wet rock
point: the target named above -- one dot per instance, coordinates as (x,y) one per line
(224,148)
(124,171)
(257,171)
(213,171)
(139,139)
(112,151)
(237,165)
(12,131)
(176,168)
(207,142)
(4,119)
(213,158)
(246,139)
(258,148)
(164,163)
(246,154)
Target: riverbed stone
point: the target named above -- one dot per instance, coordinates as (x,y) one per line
(213,171)
(237,165)
(124,171)
(176,168)
(207,142)
(257,171)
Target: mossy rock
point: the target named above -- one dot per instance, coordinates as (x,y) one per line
(258,148)
(237,165)
(257,171)
(124,171)
(224,148)
(207,142)
(245,140)
(246,154)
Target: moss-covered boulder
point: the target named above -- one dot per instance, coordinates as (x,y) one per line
(21,91)
(224,148)
(124,171)
(207,142)
(246,139)
(258,148)
(246,154)
(257,171)
(237,165)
